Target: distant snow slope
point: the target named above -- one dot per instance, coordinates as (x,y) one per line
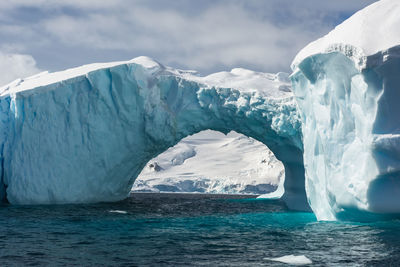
(212,162)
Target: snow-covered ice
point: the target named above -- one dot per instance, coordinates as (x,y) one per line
(370,31)
(211,162)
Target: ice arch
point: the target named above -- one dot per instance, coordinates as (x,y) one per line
(83,135)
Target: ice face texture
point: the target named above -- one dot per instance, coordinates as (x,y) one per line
(347,85)
(83,135)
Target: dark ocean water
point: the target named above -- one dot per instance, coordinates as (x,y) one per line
(187,230)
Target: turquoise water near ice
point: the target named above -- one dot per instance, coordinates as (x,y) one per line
(187,230)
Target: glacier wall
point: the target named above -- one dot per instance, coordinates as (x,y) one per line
(84,136)
(331,92)
(351,124)
(351,121)
(347,87)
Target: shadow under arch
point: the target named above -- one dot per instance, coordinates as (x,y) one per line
(87,139)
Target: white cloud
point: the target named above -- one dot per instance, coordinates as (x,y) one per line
(205,35)
(14,66)
(222,35)
(50,4)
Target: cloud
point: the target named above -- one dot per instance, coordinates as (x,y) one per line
(223,36)
(205,35)
(13,66)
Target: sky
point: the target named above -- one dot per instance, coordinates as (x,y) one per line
(204,35)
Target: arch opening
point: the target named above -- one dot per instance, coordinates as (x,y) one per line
(211,162)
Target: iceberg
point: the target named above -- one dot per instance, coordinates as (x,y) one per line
(83,135)
(347,88)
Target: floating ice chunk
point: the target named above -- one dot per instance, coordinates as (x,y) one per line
(118,211)
(292,259)
(277,194)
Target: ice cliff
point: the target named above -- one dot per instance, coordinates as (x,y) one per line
(84,134)
(347,85)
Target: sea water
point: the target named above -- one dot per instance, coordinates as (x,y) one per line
(187,230)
